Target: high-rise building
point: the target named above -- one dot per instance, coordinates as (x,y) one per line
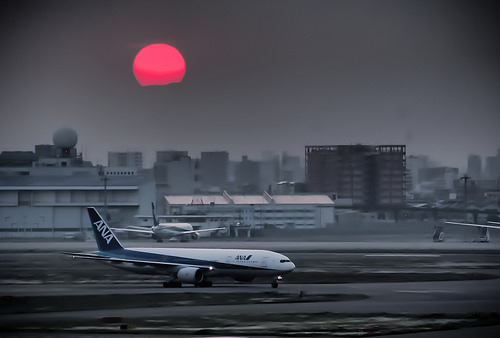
(371,176)
(269,171)
(213,168)
(389,175)
(174,174)
(492,168)
(474,168)
(248,175)
(290,168)
(413,165)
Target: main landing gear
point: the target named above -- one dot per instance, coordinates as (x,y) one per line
(204,284)
(172,284)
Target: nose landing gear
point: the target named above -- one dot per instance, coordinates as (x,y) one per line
(275,282)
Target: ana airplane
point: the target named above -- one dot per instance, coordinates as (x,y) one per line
(195,266)
(484,234)
(173,231)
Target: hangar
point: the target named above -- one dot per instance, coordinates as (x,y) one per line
(303,211)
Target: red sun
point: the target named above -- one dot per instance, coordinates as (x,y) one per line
(159,64)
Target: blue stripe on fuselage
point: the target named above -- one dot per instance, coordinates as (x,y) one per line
(174,260)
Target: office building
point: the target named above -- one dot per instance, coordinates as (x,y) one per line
(371,176)
(248,175)
(474,167)
(213,169)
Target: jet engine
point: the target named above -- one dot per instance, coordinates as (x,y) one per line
(194,236)
(190,275)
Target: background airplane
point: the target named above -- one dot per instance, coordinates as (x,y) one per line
(484,234)
(172,231)
(185,265)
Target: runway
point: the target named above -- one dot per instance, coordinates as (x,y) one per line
(338,289)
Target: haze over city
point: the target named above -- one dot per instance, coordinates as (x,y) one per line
(260,75)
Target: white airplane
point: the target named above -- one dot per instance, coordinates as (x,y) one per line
(484,234)
(173,231)
(184,265)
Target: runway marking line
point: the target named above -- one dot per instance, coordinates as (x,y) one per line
(426,291)
(403,255)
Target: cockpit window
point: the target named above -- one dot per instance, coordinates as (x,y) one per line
(284,261)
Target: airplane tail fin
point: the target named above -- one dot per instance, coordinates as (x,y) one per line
(155,219)
(104,236)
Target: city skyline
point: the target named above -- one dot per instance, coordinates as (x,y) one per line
(260,76)
(267,155)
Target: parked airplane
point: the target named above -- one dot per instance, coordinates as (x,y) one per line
(195,266)
(172,231)
(484,234)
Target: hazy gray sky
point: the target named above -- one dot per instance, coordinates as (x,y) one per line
(260,75)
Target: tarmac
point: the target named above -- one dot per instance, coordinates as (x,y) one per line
(402,285)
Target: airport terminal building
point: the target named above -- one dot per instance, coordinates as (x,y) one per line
(56,206)
(46,193)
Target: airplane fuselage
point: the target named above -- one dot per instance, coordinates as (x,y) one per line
(169,230)
(236,263)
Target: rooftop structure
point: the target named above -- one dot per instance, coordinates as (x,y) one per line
(125,159)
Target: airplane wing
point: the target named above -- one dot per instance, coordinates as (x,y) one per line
(477,225)
(97,257)
(150,232)
(196,231)
(135,229)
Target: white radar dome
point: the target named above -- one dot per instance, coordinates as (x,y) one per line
(65,138)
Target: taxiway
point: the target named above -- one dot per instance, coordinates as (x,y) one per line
(338,288)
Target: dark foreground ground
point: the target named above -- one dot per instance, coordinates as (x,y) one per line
(336,290)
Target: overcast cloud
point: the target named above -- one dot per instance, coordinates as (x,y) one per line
(260,75)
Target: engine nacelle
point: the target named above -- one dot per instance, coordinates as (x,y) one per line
(194,236)
(190,275)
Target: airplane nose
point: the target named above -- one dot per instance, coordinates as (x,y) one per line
(290,267)
(286,265)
